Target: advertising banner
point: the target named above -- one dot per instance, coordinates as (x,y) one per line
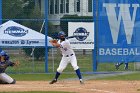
(14,34)
(118,30)
(83,33)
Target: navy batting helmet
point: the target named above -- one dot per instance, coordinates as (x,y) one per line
(61,33)
(3,53)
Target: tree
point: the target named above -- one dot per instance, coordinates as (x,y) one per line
(17,9)
(35,25)
(12,9)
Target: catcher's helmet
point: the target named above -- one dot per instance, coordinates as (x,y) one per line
(3,53)
(61,33)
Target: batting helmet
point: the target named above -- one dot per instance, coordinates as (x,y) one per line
(61,33)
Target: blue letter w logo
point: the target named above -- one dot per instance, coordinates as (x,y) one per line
(124,15)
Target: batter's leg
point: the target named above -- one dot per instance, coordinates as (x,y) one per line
(62,66)
(79,74)
(76,68)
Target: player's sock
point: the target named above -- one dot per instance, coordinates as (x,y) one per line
(57,75)
(79,74)
(126,66)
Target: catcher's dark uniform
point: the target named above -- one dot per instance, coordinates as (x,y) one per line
(4,63)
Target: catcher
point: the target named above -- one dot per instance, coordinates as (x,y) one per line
(4,63)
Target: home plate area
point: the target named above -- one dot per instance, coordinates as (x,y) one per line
(90,86)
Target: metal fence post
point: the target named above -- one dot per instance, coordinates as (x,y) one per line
(46,34)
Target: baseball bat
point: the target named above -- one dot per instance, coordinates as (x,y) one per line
(69,37)
(55,36)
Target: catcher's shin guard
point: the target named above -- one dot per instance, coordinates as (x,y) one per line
(3,82)
(6,78)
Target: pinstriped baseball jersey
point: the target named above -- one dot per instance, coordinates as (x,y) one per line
(65,48)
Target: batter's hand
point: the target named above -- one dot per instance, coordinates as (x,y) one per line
(53,41)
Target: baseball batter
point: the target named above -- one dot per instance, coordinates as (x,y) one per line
(68,56)
(4,63)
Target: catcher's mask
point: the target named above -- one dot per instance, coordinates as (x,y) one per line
(61,35)
(2,58)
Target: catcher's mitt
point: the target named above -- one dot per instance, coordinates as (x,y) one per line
(16,64)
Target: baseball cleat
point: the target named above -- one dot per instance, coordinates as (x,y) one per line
(125,68)
(53,81)
(81,82)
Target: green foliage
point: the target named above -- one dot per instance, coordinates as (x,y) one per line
(73,18)
(35,25)
(28,7)
(37,52)
(12,8)
(17,9)
(50,31)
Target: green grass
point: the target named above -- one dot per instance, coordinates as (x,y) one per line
(134,76)
(48,77)
(38,92)
(28,65)
(37,77)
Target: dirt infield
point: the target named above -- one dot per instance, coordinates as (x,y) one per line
(98,86)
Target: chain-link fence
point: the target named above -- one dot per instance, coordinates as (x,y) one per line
(26,13)
(31,13)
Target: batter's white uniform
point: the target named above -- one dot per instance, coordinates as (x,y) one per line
(68,56)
